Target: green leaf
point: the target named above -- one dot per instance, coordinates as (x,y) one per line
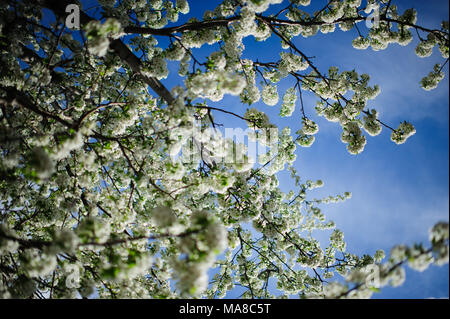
(111,272)
(374,289)
(210,64)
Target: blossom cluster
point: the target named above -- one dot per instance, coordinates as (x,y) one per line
(112,189)
(98,35)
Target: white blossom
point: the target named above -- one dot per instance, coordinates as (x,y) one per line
(270,95)
(353,136)
(118,183)
(402,133)
(288,105)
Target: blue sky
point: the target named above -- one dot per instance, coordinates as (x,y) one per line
(399,191)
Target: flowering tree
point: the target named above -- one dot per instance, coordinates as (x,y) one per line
(114,186)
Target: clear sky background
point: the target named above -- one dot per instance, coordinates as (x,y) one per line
(399,191)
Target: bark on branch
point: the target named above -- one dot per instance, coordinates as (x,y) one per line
(125,54)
